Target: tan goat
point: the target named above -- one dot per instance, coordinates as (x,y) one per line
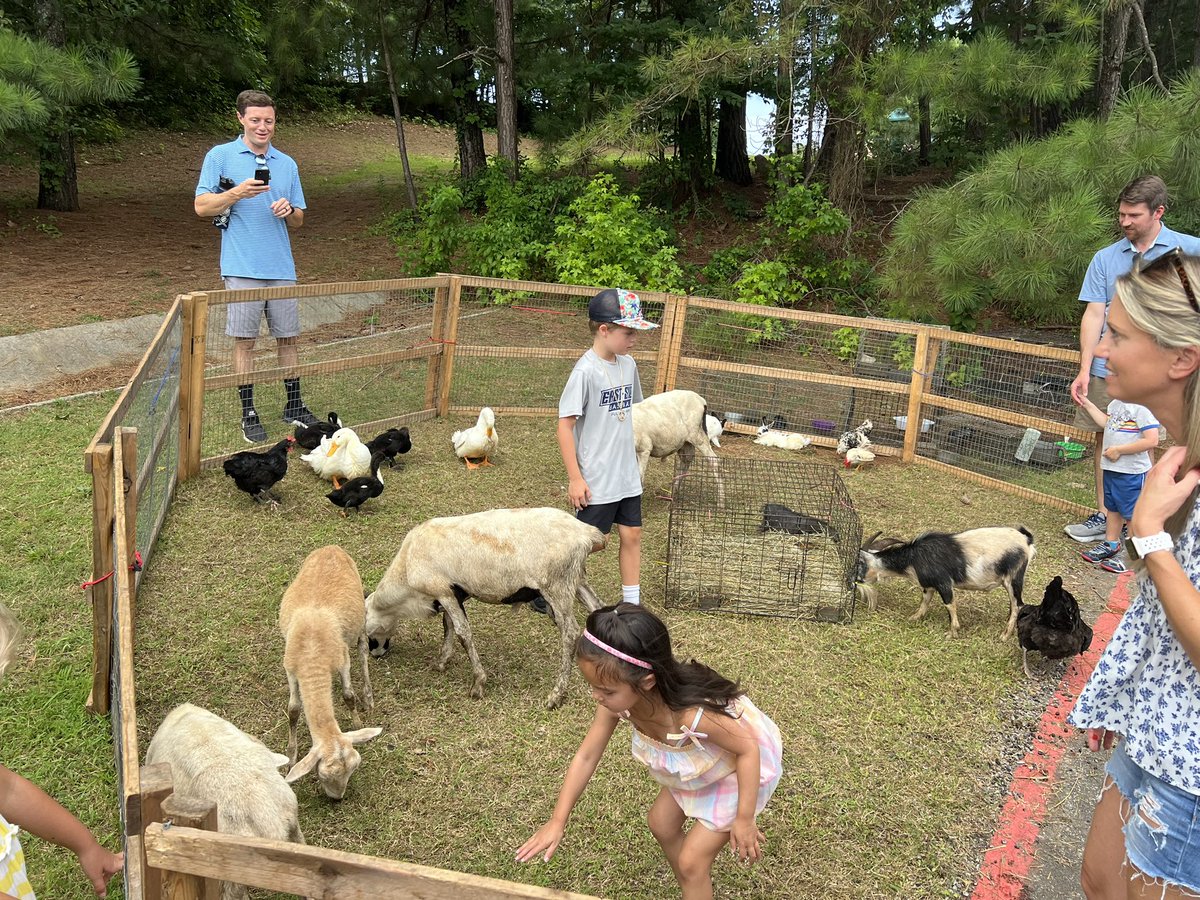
(322,618)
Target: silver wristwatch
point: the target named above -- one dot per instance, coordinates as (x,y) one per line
(1152,543)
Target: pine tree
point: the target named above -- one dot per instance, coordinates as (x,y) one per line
(1018,232)
(41,88)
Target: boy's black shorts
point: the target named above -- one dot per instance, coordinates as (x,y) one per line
(626,512)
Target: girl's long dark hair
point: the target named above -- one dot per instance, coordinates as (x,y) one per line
(636,631)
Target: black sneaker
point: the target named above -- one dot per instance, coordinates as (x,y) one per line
(252,428)
(299,414)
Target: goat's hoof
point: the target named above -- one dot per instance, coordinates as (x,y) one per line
(554,701)
(477,692)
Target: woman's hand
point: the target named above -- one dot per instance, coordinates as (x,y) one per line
(745,840)
(547,838)
(1101,738)
(1163,492)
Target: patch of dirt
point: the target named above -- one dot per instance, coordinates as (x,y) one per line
(136,242)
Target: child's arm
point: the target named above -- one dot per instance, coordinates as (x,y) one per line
(1148,441)
(729,734)
(1099,416)
(577,490)
(29,807)
(583,766)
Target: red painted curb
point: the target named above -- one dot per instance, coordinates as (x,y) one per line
(1010,853)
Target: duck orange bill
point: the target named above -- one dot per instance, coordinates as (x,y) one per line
(333,448)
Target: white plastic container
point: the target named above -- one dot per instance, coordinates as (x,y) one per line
(902,423)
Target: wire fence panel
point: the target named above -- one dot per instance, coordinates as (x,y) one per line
(362,354)
(1004,412)
(762,537)
(816,378)
(516,346)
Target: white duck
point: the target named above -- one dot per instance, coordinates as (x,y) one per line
(340,456)
(478,442)
(786,440)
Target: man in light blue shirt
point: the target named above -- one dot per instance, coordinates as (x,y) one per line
(1140,208)
(253,192)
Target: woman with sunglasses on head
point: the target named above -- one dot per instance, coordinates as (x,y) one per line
(1143,699)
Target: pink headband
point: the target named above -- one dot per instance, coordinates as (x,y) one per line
(615,652)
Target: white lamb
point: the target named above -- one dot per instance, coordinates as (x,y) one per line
(499,556)
(671,422)
(214,761)
(321,617)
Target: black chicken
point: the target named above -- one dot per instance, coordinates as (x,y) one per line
(257,472)
(309,436)
(1053,628)
(357,491)
(391,444)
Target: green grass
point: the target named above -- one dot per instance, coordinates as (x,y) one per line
(892,732)
(45,508)
(386,171)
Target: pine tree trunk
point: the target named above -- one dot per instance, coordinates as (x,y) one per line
(1112,56)
(409,185)
(733,164)
(785,91)
(840,158)
(58,179)
(468,129)
(506,93)
(693,151)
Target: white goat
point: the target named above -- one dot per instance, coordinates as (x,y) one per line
(212,760)
(499,556)
(976,560)
(321,618)
(671,422)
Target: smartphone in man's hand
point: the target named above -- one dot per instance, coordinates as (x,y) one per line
(263,175)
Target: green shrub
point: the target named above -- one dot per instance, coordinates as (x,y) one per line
(606,238)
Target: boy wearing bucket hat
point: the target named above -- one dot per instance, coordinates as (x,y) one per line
(595,430)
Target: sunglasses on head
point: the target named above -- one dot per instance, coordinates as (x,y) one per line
(1173,258)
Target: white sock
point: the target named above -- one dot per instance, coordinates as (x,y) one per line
(631,593)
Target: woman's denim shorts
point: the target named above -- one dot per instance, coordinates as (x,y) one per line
(1162,833)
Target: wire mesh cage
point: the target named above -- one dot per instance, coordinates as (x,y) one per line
(762,537)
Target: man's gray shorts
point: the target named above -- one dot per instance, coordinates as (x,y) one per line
(241,319)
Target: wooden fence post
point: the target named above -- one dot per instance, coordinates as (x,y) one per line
(446,378)
(189,814)
(437,331)
(102,563)
(156,787)
(920,372)
(675,348)
(191,382)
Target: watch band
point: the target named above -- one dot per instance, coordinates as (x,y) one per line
(1152,543)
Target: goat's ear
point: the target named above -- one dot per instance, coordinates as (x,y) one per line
(280,759)
(302,768)
(362,735)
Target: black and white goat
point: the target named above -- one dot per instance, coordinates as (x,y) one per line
(976,560)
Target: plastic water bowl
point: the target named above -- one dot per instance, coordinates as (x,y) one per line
(823,426)
(1070,449)
(902,424)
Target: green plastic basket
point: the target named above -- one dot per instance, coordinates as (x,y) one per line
(1070,449)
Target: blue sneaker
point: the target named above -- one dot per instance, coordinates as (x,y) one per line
(1115,565)
(1090,529)
(1101,552)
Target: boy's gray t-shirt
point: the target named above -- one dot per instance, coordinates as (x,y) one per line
(597,392)
(1127,422)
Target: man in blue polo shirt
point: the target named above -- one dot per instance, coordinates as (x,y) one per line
(254,216)
(1140,208)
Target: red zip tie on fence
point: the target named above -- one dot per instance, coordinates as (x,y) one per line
(135,566)
(553,312)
